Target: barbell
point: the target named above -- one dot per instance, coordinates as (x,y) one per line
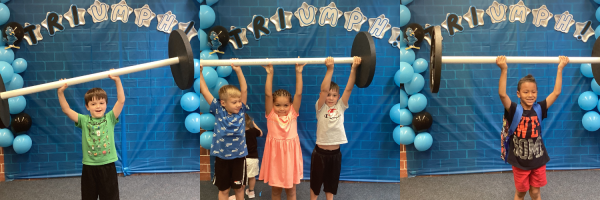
(362,47)
(181,60)
(436,59)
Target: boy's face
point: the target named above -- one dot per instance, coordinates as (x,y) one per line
(97,107)
(332,98)
(232,105)
(282,106)
(528,93)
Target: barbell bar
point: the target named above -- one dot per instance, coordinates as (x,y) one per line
(437,59)
(180,59)
(362,47)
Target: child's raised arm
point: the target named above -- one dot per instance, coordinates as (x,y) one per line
(351,80)
(326,82)
(298,95)
(255,126)
(74,116)
(242,79)
(558,85)
(120,96)
(269,89)
(501,62)
(204,88)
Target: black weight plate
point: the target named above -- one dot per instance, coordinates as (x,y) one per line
(364,47)
(179,46)
(435,59)
(4,110)
(596,66)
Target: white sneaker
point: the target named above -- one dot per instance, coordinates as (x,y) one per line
(251,195)
(232,197)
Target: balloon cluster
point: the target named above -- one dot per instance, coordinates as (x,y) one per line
(589,100)
(597,18)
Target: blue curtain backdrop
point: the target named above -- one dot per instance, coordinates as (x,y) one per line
(467,111)
(371,154)
(150,137)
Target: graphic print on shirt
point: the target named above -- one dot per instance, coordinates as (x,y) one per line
(98,133)
(332,115)
(527,139)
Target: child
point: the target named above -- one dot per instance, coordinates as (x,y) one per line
(252,132)
(229,142)
(527,153)
(99,175)
(326,159)
(282,158)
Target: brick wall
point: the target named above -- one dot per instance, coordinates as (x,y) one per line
(204,164)
(403,172)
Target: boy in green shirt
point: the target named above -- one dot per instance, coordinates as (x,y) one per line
(99,175)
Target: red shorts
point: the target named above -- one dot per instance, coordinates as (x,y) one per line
(526,178)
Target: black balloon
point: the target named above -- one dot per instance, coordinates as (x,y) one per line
(223,38)
(422,122)
(14,35)
(20,123)
(417,38)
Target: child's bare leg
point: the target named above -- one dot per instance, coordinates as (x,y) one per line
(291,193)
(252,182)
(239,193)
(276,193)
(313,196)
(329,196)
(224,195)
(520,195)
(534,192)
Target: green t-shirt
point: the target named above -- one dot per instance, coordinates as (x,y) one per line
(98,139)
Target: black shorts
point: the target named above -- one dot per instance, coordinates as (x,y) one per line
(230,173)
(99,181)
(325,167)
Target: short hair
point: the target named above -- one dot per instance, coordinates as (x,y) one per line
(334,86)
(95,93)
(229,91)
(282,93)
(249,121)
(528,78)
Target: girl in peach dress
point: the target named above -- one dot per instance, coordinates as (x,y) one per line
(282,159)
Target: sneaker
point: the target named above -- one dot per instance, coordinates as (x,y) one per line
(232,197)
(250,194)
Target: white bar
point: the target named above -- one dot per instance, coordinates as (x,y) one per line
(88,78)
(515,59)
(276,61)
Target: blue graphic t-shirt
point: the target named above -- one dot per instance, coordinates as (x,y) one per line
(229,140)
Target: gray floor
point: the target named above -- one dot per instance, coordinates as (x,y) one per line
(146,187)
(561,185)
(346,191)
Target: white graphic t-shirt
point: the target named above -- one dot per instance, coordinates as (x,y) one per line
(330,124)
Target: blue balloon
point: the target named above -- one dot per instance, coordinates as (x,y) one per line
(207,16)
(215,92)
(224,71)
(407,56)
(6,137)
(415,85)
(205,55)
(207,121)
(423,141)
(406,135)
(403,99)
(211,2)
(405,73)
(192,123)
(402,42)
(405,117)
(6,71)
(591,121)
(395,113)
(586,70)
(190,101)
(204,106)
(203,40)
(196,68)
(595,87)
(15,83)
(19,65)
(200,1)
(206,139)
(7,55)
(4,14)
(597,1)
(596,31)
(404,15)
(16,105)
(417,103)
(598,14)
(405,2)
(210,76)
(220,83)
(420,65)
(197,86)
(22,144)
(588,100)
